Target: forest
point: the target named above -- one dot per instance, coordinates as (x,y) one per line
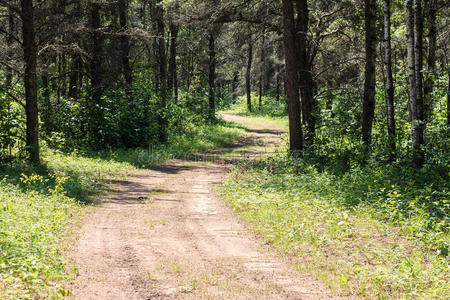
(328,121)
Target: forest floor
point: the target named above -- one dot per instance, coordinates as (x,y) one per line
(163,233)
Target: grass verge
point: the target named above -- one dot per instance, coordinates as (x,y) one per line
(364,249)
(39,206)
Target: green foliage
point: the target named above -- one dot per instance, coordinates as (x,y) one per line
(12,127)
(270,107)
(126,119)
(35,213)
(39,206)
(357,230)
(194,139)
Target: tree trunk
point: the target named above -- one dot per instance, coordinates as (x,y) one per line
(418,109)
(125,44)
(9,51)
(234,86)
(305,72)
(60,79)
(389,78)
(162,73)
(30,80)
(369,74)
(409,19)
(448,101)
(212,74)
(261,71)
(431,57)
(278,88)
(95,108)
(172,80)
(248,75)
(154,50)
(295,126)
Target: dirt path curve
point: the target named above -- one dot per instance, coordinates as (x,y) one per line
(164,234)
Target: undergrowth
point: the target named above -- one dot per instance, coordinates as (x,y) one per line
(270,108)
(371,231)
(195,138)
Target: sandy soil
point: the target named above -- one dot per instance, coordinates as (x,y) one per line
(164,234)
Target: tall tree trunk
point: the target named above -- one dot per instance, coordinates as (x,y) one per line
(154,50)
(389,78)
(278,87)
(369,74)
(59,80)
(305,72)
(431,5)
(418,108)
(125,44)
(76,64)
(95,107)
(30,79)
(212,73)
(448,100)
(234,86)
(261,71)
(172,80)
(248,87)
(295,126)
(162,73)
(409,19)
(9,44)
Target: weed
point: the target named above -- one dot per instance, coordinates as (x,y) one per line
(357,234)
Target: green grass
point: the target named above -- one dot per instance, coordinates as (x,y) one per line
(350,230)
(271,109)
(38,209)
(40,205)
(194,139)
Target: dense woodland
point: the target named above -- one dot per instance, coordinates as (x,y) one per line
(127,73)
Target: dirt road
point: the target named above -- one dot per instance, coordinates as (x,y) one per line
(164,234)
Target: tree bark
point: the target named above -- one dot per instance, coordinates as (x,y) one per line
(369,74)
(305,73)
(212,73)
(248,75)
(172,80)
(95,107)
(125,44)
(278,87)
(448,101)
(409,19)
(431,57)
(389,78)
(418,108)
(295,126)
(30,80)
(162,73)
(9,43)
(60,79)
(261,71)
(234,86)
